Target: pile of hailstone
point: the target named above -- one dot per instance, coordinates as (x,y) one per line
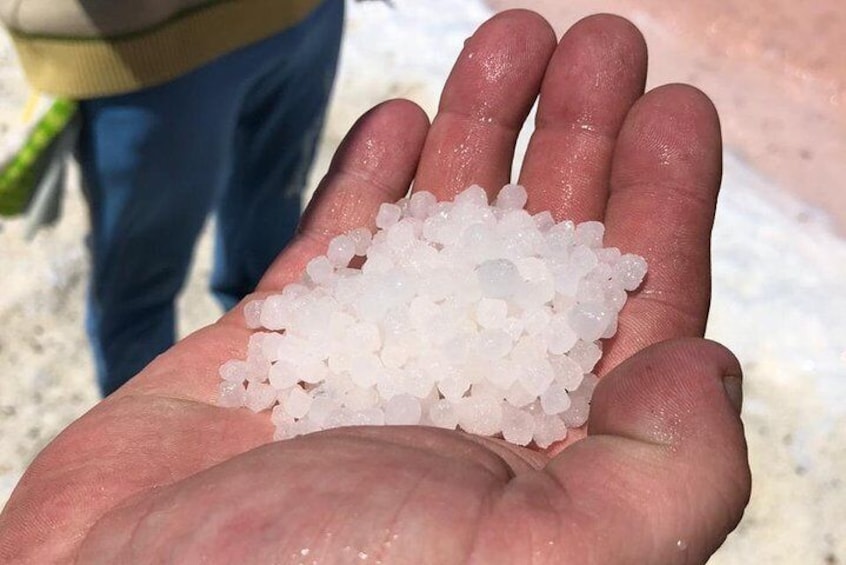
(462,315)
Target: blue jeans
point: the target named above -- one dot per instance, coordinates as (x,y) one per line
(238,136)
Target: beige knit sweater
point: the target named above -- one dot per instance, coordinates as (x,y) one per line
(88,48)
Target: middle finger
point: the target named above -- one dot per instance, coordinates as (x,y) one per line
(485,100)
(594,77)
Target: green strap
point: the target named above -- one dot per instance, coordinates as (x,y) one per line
(19,176)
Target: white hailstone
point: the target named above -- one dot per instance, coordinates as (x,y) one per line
(586,354)
(372,416)
(589,320)
(320,270)
(498,278)
(577,414)
(346,291)
(313,371)
(548,430)
(260,396)
(513,327)
(282,375)
(275,312)
(366,336)
(361,238)
(341,250)
(365,369)
(463,315)
(388,215)
(518,426)
(394,353)
(536,321)
(257,368)
(590,234)
(582,259)
(480,415)
(334,386)
(495,344)
(608,255)
(359,398)
(535,375)
(234,371)
(540,284)
(491,313)
(474,196)
(484,387)
(616,298)
(297,402)
(568,373)
(390,385)
(401,238)
(544,221)
(501,375)
(279,417)
(421,204)
(443,414)
(560,337)
(252,313)
(611,328)
(590,291)
(271,344)
(403,410)
(230,394)
(418,381)
(518,396)
(453,387)
(511,197)
(320,409)
(566,283)
(557,242)
(629,271)
(555,399)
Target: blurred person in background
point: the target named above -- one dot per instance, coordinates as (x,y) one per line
(187,106)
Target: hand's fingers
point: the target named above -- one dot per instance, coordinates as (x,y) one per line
(594,77)
(664,183)
(374,164)
(663,475)
(485,100)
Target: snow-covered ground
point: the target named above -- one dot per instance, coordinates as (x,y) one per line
(779,300)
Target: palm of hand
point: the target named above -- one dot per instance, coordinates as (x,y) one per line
(157,470)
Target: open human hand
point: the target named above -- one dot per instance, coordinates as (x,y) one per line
(157,472)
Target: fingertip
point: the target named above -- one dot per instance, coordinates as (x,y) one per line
(671,393)
(523,20)
(612,25)
(674,126)
(404,111)
(501,67)
(393,130)
(683,93)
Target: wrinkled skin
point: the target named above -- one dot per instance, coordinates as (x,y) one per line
(158,473)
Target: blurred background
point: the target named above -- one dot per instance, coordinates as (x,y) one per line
(777,74)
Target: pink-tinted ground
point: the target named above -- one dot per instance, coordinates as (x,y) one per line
(775,69)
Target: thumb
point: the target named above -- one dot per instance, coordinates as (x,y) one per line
(663,475)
